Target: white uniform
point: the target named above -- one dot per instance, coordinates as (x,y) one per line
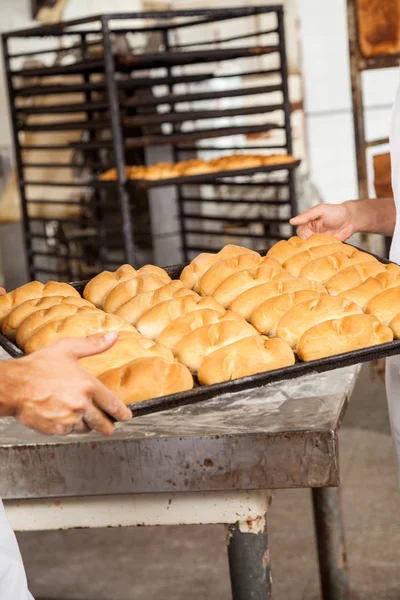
(13,585)
(393,363)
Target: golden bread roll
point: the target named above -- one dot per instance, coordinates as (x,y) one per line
(76,326)
(98,288)
(155,320)
(24,310)
(285,249)
(395,326)
(197,344)
(129,346)
(146,378)
(302,317)
(240,282)
(223,269)
(154,270)
(267,316)
(136,307)
(385,306)
(172,335)
(353,276)
(54,313)
(342,335)
(232,250)
(324,268)
(248,356)
(131,288)
(29,291)
(363,293)
(297,262)
(237,162)
(248,302)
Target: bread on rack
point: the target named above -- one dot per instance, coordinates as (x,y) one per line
(237,162)
(252,300)
(302,317)
(224,268)
(176,331)
(267,316)
(353,276)
(323,269)
(34,289)
(155,320)
(129,346)
(195,166)
(196,345)
(285,249)
(240,282)
(146,378)
(23,311)
(342,335)
(297,262)
(245,357)
(385,306)
(76,326)
(98,288)
(162,170)
(371,287)
(123,292)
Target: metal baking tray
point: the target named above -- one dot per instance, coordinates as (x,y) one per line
(201,393)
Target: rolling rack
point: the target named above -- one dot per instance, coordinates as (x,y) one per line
(180,89)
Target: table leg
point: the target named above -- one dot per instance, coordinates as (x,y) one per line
(249,561)
(331,544)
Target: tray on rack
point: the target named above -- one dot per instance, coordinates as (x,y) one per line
(201,393)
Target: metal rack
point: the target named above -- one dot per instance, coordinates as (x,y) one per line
(170,93)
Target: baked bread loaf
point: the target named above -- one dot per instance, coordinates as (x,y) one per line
(155,320)
(223,269)
(136,307)
(176,331)
(251,300)
(285,249)
(240,282)
(54,313)
(363,293)
(146,378)
(97,290)
(24,310)
(232,250)
(34,289)
(76,326)
(267,316)
(245,357)
(128,347)
(297,262)
(323,269)
(395,326)
(353,276)
(302,317)
(342,335)
(195,346)
(131,288)
(385,306)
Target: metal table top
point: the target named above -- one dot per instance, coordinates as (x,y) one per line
(280,436)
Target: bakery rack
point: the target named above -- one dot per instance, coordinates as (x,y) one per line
(189,83)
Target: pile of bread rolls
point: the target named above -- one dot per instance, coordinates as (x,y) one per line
(229,315)
(197,166)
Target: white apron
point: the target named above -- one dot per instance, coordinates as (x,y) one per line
(393,363)
(13,585)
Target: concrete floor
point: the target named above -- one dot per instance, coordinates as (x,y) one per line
(182,563)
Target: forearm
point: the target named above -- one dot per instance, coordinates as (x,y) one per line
(9,385)
(376,215)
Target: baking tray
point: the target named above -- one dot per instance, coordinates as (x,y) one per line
(201,393)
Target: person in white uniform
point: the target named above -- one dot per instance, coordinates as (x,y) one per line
(378,215)
(49,391)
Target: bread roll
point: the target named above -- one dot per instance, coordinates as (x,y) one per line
(266,317)
(248,302)
(395,326)
(29,291)
(285,249)
(131,288)
(353,276)
(24,310)
(97,290)
(363,293)
(177,330)
(223,269)
(323,269)
(136,307)
(302,317)
(248,356)
(238,283)
(128,347)
(297,262)
(385,306)
(76,326)
(192,349)
(342,335)
(231,250)
(54,313)
(155,320)
(146,378)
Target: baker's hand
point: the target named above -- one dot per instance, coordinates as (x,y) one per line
(331,219)
(52,393)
